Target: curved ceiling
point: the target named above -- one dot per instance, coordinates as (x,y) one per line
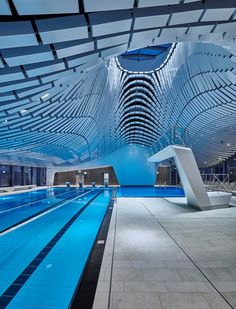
(58,87)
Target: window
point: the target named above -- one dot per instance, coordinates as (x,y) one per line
(22,175)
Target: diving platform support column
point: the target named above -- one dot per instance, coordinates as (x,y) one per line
(189,174)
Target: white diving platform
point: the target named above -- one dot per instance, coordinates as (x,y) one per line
(194,189)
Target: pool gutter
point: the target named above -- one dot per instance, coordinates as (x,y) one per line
(85,292)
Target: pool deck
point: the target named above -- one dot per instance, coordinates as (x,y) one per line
(22,191)
(161,255)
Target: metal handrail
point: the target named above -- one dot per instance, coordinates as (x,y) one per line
(216,181)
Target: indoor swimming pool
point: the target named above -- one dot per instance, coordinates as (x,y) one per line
(44,251)
(15,208)
(46,237)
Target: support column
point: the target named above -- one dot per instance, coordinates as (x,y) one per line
(50,177)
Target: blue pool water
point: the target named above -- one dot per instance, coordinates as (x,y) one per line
(53,281)
(13,200)
(150,192)
(19,207)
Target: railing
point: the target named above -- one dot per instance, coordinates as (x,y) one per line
(217,182)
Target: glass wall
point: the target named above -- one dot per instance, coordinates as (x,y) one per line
(5,176)
(34,176)
(22,175)
(27,175)
(18,175)
(41,176)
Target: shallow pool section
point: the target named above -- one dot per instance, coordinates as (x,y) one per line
(42,262)
(150,192)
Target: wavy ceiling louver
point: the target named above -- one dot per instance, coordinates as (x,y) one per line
(65,100)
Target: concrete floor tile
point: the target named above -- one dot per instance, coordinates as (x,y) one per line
(225,286)
(135,301)
(161,274)
(127,274)
(147,264)
(122,264)
(144,286)
(226,274)
(231,298)
(216,301)
(183,301)
(179,264)
(117,286)
(215,264)
(210,274)
(191,275)
(187,287)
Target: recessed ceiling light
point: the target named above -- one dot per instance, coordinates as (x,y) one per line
(45,96)
(228,144)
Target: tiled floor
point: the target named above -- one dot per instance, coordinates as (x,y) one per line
(160,255)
